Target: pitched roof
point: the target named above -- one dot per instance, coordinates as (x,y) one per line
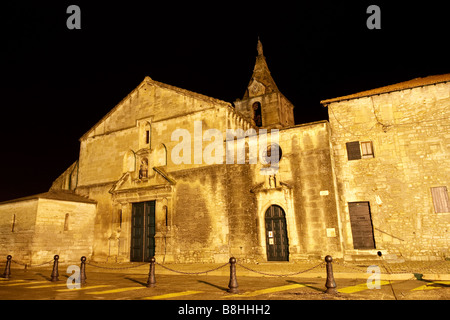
(150,81)
(414,83)
(62,195)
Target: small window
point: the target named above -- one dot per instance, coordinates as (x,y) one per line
(353,150)
(66,222)
(147,136)
(440,199)
(367,149)
(13,222)
(357,150)
(120,218)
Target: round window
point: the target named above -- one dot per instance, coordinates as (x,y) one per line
(271,152)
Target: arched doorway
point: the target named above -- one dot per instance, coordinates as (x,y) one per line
(277,244)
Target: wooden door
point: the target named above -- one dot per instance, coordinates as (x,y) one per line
(361,223)
(149,237)
(277,244)
(142,231)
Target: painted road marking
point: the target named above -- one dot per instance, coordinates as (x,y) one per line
(116,290)
(433,285)
(48,286)
(172,295)
(360,287)
(268,290)
(23,283)
(84,288)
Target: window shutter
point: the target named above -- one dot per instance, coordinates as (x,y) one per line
(353,150)
(440,199)
(367,149)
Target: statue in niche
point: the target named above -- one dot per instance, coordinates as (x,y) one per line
(143,170)
(273,180)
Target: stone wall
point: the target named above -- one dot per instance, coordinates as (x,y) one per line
(45,227)
(63,228)
(409,130)
(314,195)
(17,241)
(200,225)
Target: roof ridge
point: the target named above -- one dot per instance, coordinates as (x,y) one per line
(404,85)
(190,92)
(149,80)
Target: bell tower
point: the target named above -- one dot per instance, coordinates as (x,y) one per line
(263,103)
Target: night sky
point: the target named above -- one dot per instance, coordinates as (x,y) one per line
(57,83)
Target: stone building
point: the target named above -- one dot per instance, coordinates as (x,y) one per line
(144,193)
(33,229)
(391,148)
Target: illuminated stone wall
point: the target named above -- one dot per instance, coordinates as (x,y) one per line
(410,133)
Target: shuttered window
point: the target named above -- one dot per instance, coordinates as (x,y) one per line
(353,150)
(357,150)
(440,199)
(367,149)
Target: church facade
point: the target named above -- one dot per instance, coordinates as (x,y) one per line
(334,188)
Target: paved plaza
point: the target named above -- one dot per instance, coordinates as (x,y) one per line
(265,281)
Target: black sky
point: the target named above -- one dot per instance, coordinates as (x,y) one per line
(57,83)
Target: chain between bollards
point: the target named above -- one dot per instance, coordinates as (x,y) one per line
(233,284)
(7,272)
(151,281)
(83,271)
(55,274)
(330,284)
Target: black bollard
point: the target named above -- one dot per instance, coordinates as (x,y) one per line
(151,281)
(7,272)
(55,273)
(233,285)
(330,283)
(83,271)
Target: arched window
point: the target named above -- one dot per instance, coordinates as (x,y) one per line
(257,117)
(129,161)
(161,155)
